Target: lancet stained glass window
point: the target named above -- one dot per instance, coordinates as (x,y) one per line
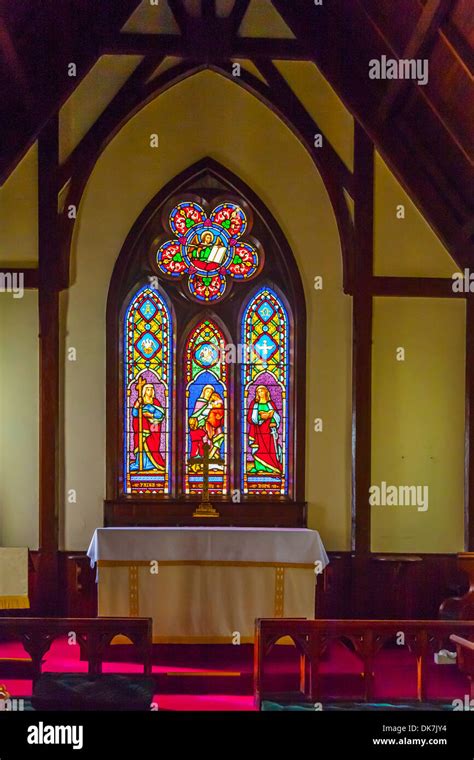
(265,392)
(206,413)
(148,355)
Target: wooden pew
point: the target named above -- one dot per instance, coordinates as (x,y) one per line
(93,636)
(311,638)
(465,659)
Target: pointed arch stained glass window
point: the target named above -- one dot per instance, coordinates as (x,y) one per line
(265,392)
(206,413)
(148,356)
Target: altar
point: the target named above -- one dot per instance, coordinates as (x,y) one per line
(206,585)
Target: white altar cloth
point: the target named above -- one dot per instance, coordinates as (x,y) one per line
(278,545)
(205,585)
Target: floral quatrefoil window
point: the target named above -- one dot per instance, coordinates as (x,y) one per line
(209,252)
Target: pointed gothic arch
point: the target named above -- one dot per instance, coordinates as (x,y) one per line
(134,271)
(77,169)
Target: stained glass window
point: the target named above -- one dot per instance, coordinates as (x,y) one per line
(147,346)
(206,413)
(208,251)
(265,391)
(214,411)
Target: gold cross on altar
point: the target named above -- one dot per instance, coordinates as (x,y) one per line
(205,509)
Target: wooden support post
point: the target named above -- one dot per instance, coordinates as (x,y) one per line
(362,341)
(48,305)
(94,653)
(469,429)
(362,368)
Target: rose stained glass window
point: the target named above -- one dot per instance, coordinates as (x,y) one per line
(208,252)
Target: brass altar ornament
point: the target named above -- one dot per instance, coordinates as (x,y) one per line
(205,508)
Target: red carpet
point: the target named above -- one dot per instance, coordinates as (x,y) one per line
(220,677)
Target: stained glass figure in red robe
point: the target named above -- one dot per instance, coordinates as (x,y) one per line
(206,423)
(264,422)
(147,416)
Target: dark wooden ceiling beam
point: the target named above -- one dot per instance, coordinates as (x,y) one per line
(29,275)
(146,44)
(449,194)
(53,84)
(330,33)
(81,162)
(307,125)
(424,34)
(413,165)
(237,15)
(208,9)
(459,45)
(304,127)
(13,63)
(179,12)
(422,287)
(467,231)
(376,40)
(115,110)
(122,108)
(176,45)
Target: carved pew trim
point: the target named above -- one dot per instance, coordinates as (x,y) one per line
(311,638)
(93,636)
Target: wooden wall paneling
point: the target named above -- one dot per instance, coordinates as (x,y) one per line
(416,590)
(78,585)
(333,590)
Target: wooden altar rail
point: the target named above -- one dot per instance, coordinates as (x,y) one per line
(311,638)
(93,636)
